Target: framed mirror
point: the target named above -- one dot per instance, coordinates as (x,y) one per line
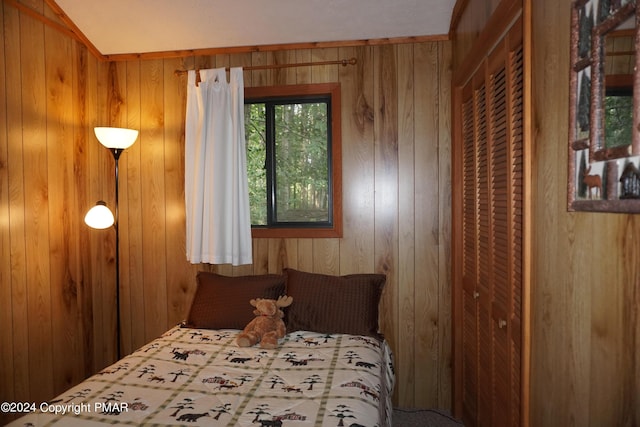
(604,129)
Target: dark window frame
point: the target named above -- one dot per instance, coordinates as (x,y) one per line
(332,90)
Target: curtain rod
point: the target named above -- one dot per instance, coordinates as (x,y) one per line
(343,62)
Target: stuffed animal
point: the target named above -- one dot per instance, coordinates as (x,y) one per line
(267,327)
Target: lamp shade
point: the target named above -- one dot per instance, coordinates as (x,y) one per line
(119,138)
(99,216)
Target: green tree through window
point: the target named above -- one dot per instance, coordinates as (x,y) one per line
(289,161)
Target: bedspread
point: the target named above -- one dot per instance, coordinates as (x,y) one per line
(201,377)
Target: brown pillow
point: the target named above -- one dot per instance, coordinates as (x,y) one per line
(333,304)
(222,302)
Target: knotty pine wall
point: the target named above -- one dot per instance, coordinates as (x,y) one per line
(48,88)
(585,291)
(57,279)
(586,288)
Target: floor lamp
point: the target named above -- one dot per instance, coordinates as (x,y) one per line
(100,217)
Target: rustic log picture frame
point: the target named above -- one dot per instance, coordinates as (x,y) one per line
(603,177)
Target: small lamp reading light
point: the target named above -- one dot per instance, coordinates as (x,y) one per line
(99,216)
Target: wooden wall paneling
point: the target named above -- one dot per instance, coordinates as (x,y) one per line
(630,413)
(325,73)
(63,214)
(260,77)
(84,88)
(386,184)
(546,362)
(427,231)
(358,186)
(36,189)
(96,238)
(576,297)
(291,253)
(180,273)
(303,74)
(326,256)
(224,269)
(444,227)
(153,198)
(260,256)
(607,327)
(242,270)
(7,376)
(283,76)
(586,346)
(276,248)
(87,88)
(409,236)
(456,250)
(131,237)
(221,61)
(560,360)
(305,256)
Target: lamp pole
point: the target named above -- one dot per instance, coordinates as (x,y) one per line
(116,155)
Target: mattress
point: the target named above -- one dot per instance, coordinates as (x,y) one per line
(201,377)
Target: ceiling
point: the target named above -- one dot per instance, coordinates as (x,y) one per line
(142,26)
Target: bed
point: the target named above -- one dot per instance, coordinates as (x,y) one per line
(331,369)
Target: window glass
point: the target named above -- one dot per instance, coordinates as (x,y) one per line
(291,168)
(301,154)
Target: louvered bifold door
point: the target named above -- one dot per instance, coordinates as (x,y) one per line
(502,257)
(492,232)
(484,285)
(504,98)
(516,171)
(468,292)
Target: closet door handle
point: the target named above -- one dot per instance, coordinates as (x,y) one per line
(502,323)
(476,294)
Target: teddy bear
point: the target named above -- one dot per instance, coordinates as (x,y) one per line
(267,327)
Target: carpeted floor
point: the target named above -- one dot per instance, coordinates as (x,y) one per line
(423,418)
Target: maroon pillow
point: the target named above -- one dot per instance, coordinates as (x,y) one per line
(222,302)
(333,304)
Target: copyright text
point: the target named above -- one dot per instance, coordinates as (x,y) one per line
(64,408)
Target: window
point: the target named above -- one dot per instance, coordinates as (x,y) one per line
(294,160)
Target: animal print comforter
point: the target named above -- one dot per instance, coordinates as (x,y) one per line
(201,377)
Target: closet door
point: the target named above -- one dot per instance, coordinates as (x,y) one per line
(488,283)
(468,293)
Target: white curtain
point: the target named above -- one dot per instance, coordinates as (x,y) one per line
(216,190)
